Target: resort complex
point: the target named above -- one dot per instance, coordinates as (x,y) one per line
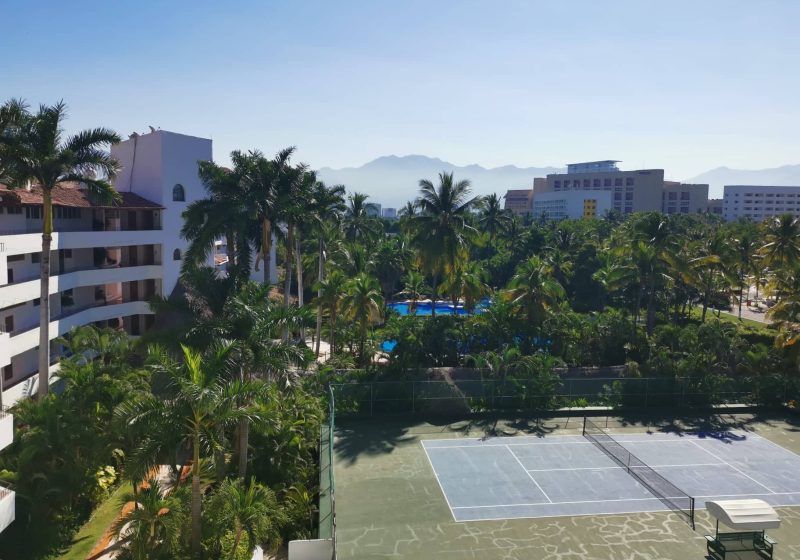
(341,300)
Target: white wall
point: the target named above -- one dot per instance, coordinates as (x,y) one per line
(758,202)
(162,160)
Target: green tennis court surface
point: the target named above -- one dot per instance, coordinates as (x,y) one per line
(391,505)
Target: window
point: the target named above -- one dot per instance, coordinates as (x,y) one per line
(685,195)
(586,183)
(14,209)
(9,324)
(557,184)
(35,257)
(628,181)
(16,258)
(176,255)
(66,298)
(617,196)
(671,210)
(595,182)
(8,372)
(628,196)
(567,183)
(607,182)
(178,194)
(67,212)
(618,182)
(36,302)
(67,253)
(33,212)
(685,210)
(672,196)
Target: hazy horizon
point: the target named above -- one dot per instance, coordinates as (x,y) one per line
(683,86)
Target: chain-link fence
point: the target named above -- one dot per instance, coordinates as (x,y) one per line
(548,393)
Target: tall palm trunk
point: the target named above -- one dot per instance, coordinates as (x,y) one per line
(44,294)
(706,298)
(333,329)
(238,538)
(433,296)
(287,280)
(320,278)
(298,259)
(266,247)
(651,307)
(244,437)
(196,535)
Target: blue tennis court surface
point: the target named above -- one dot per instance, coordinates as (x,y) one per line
(525,477)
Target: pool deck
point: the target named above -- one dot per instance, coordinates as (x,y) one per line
(390,505)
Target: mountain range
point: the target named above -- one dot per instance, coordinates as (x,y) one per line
(392,180)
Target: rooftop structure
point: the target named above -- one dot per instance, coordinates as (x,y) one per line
(606,165)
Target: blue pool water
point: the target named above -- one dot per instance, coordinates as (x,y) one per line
(424,309)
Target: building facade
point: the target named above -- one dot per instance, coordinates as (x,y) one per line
(632,191)
(107,262)
(565,205)
(757,202)
(519,201)
(682,198)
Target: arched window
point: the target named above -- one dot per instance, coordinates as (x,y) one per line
(176,255)
(178,194)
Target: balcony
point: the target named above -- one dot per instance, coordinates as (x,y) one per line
(23,341)
(7,509)
(12,294)
(6,429)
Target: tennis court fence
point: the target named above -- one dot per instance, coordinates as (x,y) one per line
(478,395)
(669,494)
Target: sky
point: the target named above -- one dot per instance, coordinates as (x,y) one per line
(682,85)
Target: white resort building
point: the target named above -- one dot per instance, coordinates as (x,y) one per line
(106,261)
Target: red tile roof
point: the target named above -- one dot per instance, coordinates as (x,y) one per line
(72,195)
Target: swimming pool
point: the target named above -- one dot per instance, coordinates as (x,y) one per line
(424,308)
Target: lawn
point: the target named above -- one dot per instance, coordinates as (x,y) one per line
(697,312)
(98,523)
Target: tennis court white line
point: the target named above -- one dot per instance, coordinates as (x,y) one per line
(439,482)
(529,476)
(770,490)
(578,442)
(653,499)
(625,468)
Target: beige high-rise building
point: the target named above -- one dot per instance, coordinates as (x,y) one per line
(682,198)
(632,191)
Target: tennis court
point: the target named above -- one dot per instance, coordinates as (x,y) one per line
(572,475)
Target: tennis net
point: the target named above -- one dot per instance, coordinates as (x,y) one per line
(670,495)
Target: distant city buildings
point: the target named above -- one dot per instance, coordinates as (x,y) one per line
(571,205)
(642,190)
(389,213)
(373,210)
(758,202)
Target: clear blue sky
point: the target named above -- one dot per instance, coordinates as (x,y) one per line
(684,85)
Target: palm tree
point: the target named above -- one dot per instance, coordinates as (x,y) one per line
(152,528)
(473,285)
(414,289)
(225,213)
(13,114)
(250,510)
(712,264)
(745,246)
(43,155)
(534,289)
(261,181)
(441,231)
(327,208)
(782,235)
(330,291)
(493,219)
(360,225)
(198,405)
(362,303)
